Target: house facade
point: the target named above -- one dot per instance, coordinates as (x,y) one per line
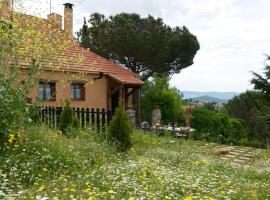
(72,72)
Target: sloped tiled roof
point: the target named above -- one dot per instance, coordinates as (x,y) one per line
(73,57)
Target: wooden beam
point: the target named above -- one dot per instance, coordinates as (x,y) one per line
(139,106)
(132,91)
(121,95)
(114,90)
(126,97)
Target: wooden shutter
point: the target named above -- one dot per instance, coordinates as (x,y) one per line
(53,90)
(82,87)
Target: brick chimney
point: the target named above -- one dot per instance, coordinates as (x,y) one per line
(55,19)
(5,9)
(68,19)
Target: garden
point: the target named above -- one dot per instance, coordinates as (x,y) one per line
(44,164)
(70,162)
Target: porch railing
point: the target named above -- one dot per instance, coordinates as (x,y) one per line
(98,119)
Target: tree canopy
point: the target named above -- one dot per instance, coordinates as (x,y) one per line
(147,46)
(254,109)
(217,126)
(262,83)
(158,92)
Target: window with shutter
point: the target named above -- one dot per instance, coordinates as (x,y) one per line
(47,90)
(77,91)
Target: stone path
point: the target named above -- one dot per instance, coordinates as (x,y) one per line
(235,154)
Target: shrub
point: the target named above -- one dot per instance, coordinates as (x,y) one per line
(120,130)
(158,92)
(68,119)
(218,127)
(254,109)
(13,109)
(34,114)
(76,122)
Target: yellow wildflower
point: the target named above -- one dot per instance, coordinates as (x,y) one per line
(204,162)
(188,198)
(228,183)
(11,138)
(167,198)
(210,198)
(45,169)
(111,192)
(197,163)
(41,188)
(131,198)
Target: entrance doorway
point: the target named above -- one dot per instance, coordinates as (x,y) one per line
(115,101)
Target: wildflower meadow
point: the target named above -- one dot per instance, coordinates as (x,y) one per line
(43,164)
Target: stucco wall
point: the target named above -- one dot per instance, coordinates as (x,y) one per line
(95,90)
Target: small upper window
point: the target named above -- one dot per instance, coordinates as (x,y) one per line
(77,91)
(46,90)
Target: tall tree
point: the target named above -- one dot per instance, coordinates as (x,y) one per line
(146,46)
(158,92)
(254,109)
(262,82)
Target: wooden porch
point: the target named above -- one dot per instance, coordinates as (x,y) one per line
(126,94)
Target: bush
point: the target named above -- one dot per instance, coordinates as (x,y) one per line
(120,130)
(68,119)
(158,92)
(218,127)
(254,109)
(14,111)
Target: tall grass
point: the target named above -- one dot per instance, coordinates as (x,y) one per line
(49,165)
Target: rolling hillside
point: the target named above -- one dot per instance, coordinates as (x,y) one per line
(208,99)
(218,95)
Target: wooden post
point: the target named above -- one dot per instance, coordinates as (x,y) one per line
(139,106)
(109,116)
(54,117)
(126,98)
(82,117)
(98,120)
(78,113)
(121,95)
(87,117)
(50,117)
(93,118)
(46,116)
(58,113)
(103,119)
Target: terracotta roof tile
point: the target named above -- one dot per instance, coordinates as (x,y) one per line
(74,57)
(126,79)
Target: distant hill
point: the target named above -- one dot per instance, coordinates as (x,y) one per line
(208,99)
(219,95)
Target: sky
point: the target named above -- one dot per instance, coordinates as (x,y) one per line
(233,35)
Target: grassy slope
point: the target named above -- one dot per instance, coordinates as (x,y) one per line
(49,165)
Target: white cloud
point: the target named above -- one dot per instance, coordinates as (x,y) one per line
(234,34)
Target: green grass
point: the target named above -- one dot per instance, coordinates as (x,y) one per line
(46,164)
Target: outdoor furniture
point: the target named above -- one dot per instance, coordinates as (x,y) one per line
(179,132)
(183,132)
(145,126)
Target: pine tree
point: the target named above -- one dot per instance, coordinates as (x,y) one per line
(120,130)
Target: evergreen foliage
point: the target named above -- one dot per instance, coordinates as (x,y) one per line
(120,130)
(254,109)
(68,119)
(220,127)
(158,92)
(146,46)
(262,82)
